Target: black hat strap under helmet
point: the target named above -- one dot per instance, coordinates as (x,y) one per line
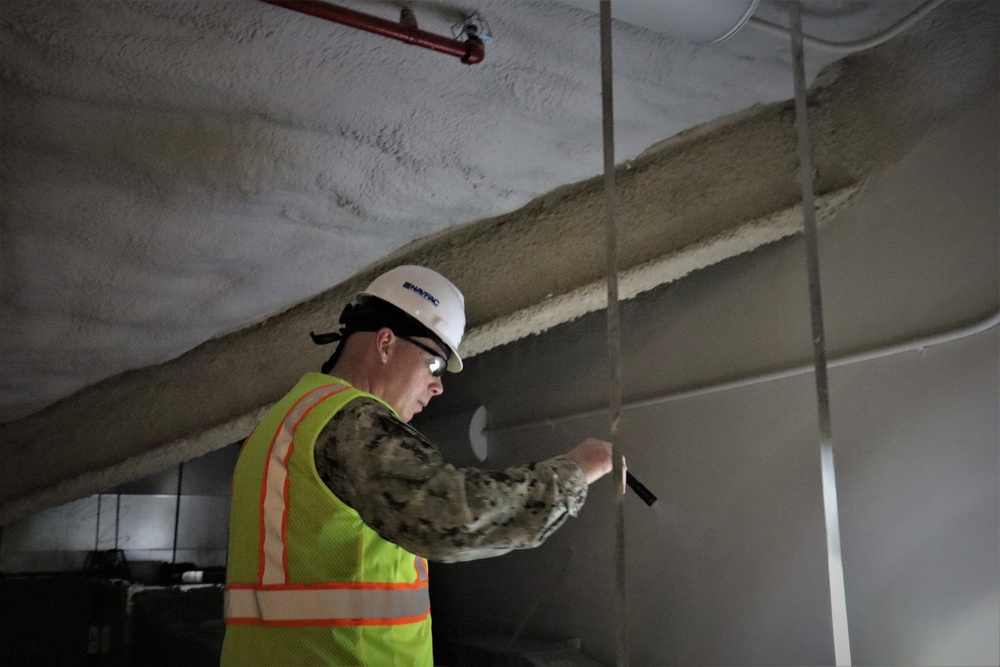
(372,314)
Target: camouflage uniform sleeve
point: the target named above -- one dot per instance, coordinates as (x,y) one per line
(399,484)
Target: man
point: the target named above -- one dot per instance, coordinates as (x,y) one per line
(338,502)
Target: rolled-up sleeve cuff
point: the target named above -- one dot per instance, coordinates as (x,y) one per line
(573,481)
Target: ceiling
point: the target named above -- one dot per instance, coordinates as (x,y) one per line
(190,186)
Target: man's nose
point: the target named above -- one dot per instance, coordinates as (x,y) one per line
(437,386)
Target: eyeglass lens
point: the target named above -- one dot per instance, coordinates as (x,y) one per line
(437,365)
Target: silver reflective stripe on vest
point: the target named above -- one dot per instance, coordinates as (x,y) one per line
(275,502)
(326,604)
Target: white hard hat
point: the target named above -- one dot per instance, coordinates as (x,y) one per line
(429,298)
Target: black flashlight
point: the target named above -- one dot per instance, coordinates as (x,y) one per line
(640,490)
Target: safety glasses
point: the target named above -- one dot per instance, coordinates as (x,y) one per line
(437,365)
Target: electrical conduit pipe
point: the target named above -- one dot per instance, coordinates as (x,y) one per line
(470,52)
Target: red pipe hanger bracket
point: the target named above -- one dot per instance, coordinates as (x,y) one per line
(470,51)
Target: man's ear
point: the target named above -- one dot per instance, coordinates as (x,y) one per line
(384,341)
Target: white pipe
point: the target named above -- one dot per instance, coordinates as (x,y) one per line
(855,45)
(916,345)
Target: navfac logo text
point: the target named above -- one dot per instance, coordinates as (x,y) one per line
(413,288)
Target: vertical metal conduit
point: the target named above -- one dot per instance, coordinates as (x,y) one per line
(831,512)
(118,515)
(177,512)
(614,332)
(97,528)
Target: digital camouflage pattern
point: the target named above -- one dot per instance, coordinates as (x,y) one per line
(402,488)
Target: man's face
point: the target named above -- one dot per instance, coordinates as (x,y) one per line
(412,385)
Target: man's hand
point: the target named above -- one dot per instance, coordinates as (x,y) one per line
(594,457)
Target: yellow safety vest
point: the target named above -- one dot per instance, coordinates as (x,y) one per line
(307,582)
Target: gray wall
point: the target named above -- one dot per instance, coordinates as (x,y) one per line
(731,567)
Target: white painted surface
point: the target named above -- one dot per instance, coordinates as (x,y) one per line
(175,170)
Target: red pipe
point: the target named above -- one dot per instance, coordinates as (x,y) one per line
(471,51)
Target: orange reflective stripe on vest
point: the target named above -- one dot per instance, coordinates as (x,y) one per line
(274,489)
(273,600)
(308,581)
